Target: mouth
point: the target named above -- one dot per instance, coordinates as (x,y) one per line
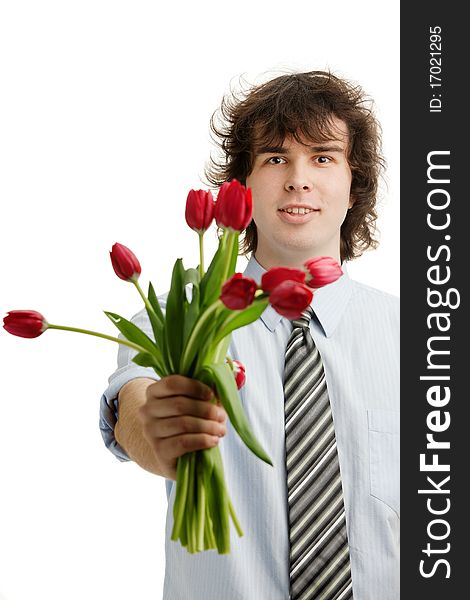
(297,210)
(297,214)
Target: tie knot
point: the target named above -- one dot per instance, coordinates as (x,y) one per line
(304,319)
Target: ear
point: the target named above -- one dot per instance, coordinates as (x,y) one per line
(351,202)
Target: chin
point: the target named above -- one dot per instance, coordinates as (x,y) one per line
(295,244)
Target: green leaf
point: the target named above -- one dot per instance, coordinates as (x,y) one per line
(191,276)
(191,315)
(221,268)
(158,326)
(144,359)
(211,283)
(175,314)
(204,324)
(240,318)
(132,333)
(203,356)
(152,296)
(227,392)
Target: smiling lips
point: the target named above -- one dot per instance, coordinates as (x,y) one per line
(295,211)
(298,209)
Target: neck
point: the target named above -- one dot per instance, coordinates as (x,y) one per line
(295,261)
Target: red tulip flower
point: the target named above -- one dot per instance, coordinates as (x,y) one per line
(277,275)
(25,323)
(322,271)
(234,206)
(290,298)
(199,210)
(125,263)
(238,292)
(239,373)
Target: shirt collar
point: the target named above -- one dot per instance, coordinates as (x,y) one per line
(329,302)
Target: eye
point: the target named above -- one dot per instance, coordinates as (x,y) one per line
(323,160)
(275,160)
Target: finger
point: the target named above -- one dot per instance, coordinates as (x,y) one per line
(174,406)
(164,428)
(173,447)
(179,385)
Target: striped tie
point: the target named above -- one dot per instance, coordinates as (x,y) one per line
(319,552)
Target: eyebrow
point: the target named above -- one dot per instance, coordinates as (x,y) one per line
(283,150)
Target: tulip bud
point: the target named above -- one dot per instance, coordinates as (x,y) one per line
(199,210)
(25,323)
(277,275)
(125,263)
(239,373)
(234,206)
(238,292)
(290,298)
(322,271)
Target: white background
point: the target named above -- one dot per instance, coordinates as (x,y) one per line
(104,114)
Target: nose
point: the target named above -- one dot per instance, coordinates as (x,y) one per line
(298,180)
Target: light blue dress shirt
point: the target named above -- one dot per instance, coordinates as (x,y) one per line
(356,329)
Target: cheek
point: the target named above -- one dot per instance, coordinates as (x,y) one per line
(341,192)
(261,195)
(263,213)
(258,210)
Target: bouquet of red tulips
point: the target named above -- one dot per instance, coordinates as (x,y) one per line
(191,338)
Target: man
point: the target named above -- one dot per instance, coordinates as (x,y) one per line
(309,148)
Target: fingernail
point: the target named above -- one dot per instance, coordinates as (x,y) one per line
(215,440)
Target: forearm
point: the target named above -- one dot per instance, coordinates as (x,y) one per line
(128,430)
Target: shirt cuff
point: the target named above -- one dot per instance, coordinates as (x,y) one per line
(109,407)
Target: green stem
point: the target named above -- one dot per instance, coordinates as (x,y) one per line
(201,255)
(231,236)
(148,306)
(222,516)
(101,335)
(211,543)
(201,503)
(182,484)
(221,349)
(234,518)
(190,506)
(213,355)
(203,322)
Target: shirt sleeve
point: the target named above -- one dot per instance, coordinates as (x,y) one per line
(126,371)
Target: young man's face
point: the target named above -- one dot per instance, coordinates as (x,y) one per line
(288,179)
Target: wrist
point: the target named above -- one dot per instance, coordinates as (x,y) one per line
(128,430)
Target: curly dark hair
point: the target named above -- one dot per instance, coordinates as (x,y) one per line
(302,105)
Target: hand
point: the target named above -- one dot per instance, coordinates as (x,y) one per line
(179,417)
